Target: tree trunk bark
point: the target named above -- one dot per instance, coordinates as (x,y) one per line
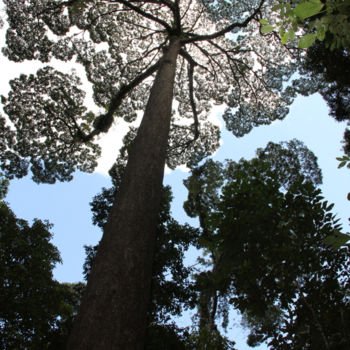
(114,308)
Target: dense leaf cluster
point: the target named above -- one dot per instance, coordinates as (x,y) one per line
(44,110)
(36,311)
(265,228)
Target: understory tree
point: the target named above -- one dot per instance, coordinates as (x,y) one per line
(136,55)
(36,311)
(267,233)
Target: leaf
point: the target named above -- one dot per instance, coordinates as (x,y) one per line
(321,34)
(264,21)
(284,38)
(267,29)
(291,34)
(337,241)
(289,11)
(341,164)
(330,207)
(306,41)
(277,7)
(308,9)
(348,196)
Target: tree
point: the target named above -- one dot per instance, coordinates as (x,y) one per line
(326,71)
(323,21)
(36,310)
(70,299)
(171,287)
(186,54)
(325,65)
(266,228)
(31,300)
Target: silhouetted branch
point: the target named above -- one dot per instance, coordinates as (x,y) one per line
(104,122)
(145,14)
(225,30)
(192,63)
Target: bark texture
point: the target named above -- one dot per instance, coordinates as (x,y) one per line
(114,308)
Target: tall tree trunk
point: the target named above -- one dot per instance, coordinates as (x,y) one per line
(114,308)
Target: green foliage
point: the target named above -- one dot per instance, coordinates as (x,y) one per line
(307,40)
(166,337)
(343,161)
(71,295)
(4,183)
(338,240)
(36,311)
(269,234)
(30,299)
(322,20)
(327,72)
(205,340)
(308,9)
(267,28)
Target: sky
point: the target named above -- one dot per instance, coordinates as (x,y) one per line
(66,205)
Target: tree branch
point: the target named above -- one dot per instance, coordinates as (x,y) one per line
(177,16)
(192,63)
(104,122)
(145,14)
(190,60)
(223,31)
(317,323)
(192,101)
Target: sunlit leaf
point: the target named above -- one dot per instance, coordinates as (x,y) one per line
(308,9)
(264,21)
(267,29)
(284,38)
(306,41)
(291,34)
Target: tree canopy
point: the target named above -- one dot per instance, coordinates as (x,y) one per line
(36,310)
(268,253)
(119,44)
